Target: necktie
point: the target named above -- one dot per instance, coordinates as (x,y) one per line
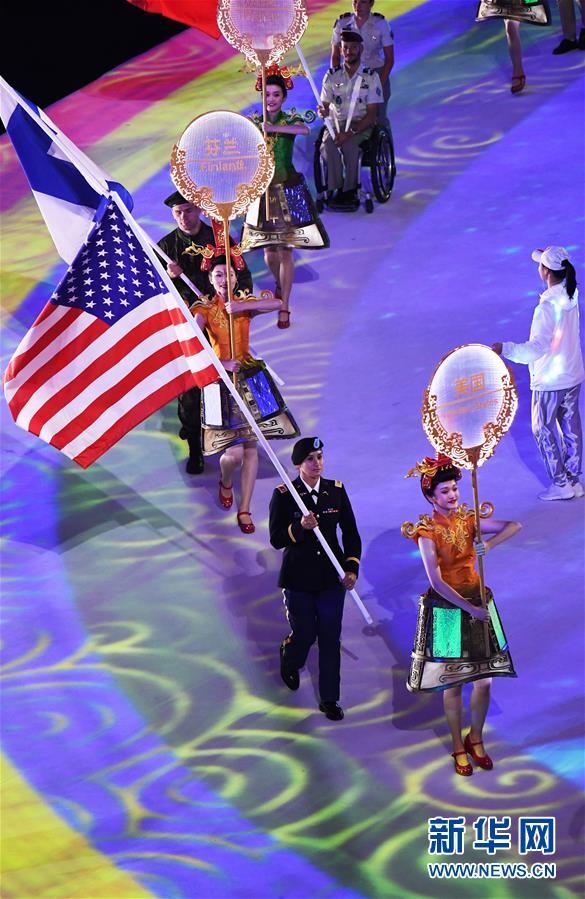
(315,496)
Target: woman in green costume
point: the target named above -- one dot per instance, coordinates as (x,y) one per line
(292,219)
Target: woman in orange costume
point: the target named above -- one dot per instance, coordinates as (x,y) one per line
(213,316)
(450,643)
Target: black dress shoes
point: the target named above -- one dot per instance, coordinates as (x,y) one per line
(345,200)
(332,710)
(290,676)
(565,46)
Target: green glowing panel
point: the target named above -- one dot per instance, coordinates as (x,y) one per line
(497,625)
(447,633)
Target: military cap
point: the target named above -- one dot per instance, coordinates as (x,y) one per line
(175,199)
(304,447)
(351,37)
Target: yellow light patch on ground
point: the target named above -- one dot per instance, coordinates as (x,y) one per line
(42,856)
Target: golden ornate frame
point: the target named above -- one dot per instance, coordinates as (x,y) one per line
(243,42)
(202,195)
(450,443)
(409,529)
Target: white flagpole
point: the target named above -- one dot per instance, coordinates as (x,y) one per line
(101,187)
(305,65)
(145,243)
(198,293)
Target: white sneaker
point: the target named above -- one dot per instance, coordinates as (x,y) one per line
(578,489)
(556,492)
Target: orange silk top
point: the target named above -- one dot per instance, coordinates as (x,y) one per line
(216,324)
(453,537)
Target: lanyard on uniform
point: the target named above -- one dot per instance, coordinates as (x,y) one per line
(354,98)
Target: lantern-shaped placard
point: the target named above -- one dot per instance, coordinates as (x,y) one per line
(263,30)
(222,164)
(468,406)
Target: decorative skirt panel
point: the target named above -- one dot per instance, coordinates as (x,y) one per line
(451,647)
(223,422)
(292,221)
(530,12)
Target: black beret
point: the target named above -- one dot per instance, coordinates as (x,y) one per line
(175,199)
(351,37)
(304,447)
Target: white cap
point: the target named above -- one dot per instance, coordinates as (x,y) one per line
(551,257)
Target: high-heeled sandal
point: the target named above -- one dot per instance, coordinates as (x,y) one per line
(245,527)
(518,84)
(225,501)
(463,770)
(283,323)
(482,761)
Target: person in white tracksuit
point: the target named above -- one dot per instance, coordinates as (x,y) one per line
(553,354)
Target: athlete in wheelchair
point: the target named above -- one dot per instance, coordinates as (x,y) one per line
(351,139)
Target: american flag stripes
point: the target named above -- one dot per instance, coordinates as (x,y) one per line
(111,347)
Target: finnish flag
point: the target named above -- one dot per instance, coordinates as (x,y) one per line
(69,188)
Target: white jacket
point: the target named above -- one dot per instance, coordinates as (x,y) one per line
(553,351)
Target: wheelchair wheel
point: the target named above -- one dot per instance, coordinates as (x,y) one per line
(320,168)
(383,166)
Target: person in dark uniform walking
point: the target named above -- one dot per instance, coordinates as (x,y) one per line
(313,592)
(184,245)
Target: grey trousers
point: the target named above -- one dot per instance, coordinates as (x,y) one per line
(336,177)
(556,425)
(568,18)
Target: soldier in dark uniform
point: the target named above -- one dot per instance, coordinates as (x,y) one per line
(313,592)
(192,231)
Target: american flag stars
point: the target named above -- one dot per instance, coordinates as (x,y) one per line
(109,295)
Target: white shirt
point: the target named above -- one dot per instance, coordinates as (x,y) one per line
(376,34)
(338,88)
(316,487)
(553,350)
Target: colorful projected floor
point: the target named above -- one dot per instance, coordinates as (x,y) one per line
(149,746)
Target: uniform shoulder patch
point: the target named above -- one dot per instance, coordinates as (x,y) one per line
(334,69)
(345,15)
(282,488)
(368,71)
(339,483)
(377,15)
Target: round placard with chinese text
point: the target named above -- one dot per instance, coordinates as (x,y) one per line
(222,163)
(469,404)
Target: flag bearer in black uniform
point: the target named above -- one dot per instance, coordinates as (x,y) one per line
(313,592)
(187,246)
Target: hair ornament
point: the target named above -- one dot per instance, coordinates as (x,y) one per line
(428,468)
(285,72)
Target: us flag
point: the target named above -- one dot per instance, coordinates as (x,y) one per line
(111,347)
